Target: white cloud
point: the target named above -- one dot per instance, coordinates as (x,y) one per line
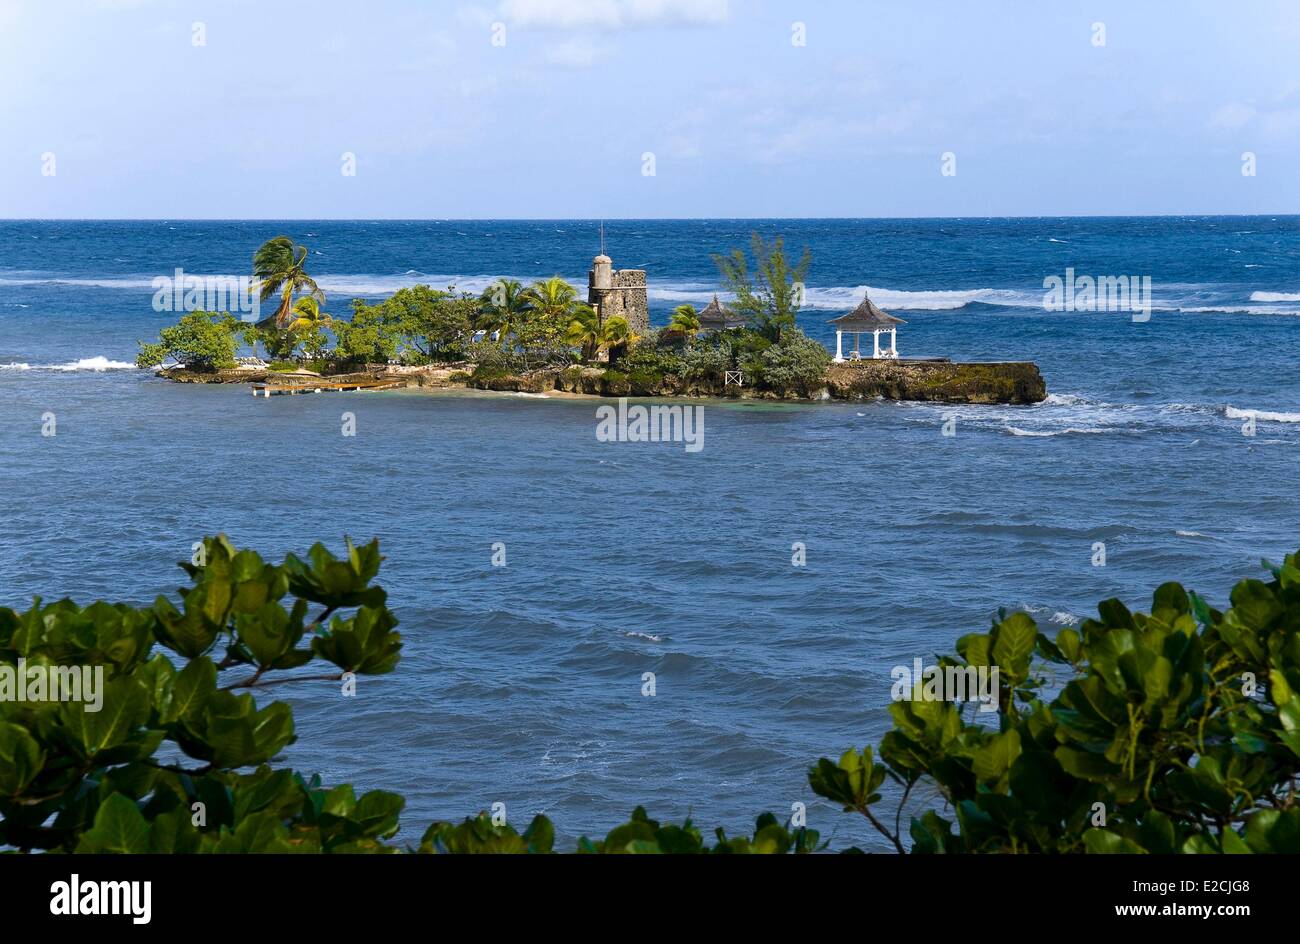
(1233,115)
(613,14)
(1271,123)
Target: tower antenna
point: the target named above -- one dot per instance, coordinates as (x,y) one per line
(602,237)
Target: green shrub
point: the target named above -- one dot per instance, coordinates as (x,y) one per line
(372,336)
(484,373)
(708,362)
(615,383)
(201,340)
(487,355)
(797,364)
(645,382)
(1173,731)
(649,359)
(178,758)
(151,355)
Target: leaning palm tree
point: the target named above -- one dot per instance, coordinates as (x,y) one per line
(278,267)
(584,331)
(503,307)
(685,321)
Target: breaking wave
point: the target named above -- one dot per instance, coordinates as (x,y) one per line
(1078,430)
(1232,413)
(96,364)
(1182,298)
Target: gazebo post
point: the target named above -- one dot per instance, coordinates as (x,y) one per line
(866,318)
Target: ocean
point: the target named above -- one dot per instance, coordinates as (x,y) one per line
(523,684)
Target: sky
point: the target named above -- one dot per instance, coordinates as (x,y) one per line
(497,109)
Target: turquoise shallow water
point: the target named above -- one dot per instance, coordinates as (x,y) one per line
(523,684)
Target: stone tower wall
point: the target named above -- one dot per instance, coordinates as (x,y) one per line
(626,297)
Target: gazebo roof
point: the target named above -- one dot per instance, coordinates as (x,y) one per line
(866,317)
(715,316)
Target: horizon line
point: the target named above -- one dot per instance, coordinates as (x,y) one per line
(617,219)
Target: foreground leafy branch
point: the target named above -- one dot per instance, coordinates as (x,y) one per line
(1174,731)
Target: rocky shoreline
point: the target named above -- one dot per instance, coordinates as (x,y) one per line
(1005,382)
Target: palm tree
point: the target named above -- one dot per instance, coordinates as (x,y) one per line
(278,267)
(307,316)
(308,319)
(587,333)
(616,334)
(553,298)
(685,321)
(503,307)
(584,331)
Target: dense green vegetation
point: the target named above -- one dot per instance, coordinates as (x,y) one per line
(512,329)
(203,340)
(1173,731)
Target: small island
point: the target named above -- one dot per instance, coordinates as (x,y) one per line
(544,338)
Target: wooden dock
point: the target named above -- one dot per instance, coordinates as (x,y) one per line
(266,389)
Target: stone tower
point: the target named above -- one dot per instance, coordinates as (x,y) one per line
(622,293)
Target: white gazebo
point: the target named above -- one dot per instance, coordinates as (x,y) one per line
(866,319)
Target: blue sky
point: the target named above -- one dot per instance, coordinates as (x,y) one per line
(554,122)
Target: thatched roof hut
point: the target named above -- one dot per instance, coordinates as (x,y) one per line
(866,317)
(714,317)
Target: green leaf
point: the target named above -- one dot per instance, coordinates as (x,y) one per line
(1171,596)
(21,759)
(1104,842)
(119,828)
(1013,645)
(193,686)
(125,707)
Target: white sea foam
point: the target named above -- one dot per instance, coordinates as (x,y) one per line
(1060,617)
(125,282)
(1186,298)
(1232,413)
(1065,399)
(1081,430)
(96,364)
(1191,534)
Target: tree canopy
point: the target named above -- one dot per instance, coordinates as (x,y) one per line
(1176,730)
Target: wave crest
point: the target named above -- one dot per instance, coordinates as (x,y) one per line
(97,364)
(1232,413)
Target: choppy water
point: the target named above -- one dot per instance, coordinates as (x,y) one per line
(523,684)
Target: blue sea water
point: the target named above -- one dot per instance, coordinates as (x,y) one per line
(523,684)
